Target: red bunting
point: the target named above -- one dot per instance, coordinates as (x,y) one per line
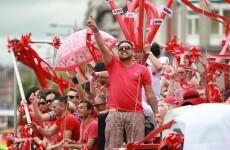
(56,42)
(25,54)
(174,141)
(177,49)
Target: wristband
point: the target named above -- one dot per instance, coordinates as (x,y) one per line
(96,32)
(149,53)
(75,80)
(98,75)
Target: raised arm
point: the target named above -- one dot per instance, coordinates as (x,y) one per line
(107,55)
(155,62)
(80,91)
(38,114)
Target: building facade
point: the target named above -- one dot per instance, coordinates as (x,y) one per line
(6,87)
(190,27)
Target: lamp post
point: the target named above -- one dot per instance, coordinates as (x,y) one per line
(55,25)
(61,35)
(57,34)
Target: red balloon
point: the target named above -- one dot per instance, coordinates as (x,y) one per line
(120,21)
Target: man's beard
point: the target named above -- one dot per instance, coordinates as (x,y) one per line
(126,58)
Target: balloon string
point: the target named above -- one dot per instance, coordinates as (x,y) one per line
(136,100)
(139,81)
(203,23)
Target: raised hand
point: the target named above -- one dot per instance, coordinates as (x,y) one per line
(146,47)
(92,25)
(34,126)
(91,70)
(71,73)
(33,98)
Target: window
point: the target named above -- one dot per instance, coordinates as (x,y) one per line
(193,23)
(2,119)
(215,25)
(226,15)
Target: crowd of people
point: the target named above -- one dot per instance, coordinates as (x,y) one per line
(126,98)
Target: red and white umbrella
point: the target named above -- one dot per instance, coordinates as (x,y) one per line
(80,48)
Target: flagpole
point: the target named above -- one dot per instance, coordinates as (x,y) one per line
(20,87)
(15,105)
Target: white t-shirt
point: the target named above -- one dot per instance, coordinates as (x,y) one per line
(155,77)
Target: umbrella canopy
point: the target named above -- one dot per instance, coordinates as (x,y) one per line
(80,48)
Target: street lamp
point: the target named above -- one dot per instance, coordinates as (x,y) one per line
(54,25)
(57,34)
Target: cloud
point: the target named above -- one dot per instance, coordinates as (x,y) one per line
(26,16)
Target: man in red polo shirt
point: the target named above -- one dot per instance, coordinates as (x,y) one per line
(66,125)
(126,79)
(89,128)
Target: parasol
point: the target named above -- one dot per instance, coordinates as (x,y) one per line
(80,48)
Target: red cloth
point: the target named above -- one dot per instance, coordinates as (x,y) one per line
(90,131)
(70,123)
(124,85)
(171,100)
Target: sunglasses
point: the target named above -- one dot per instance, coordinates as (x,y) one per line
(42,103)
(49,101)
(124,48)
(180,72)
(70,96)
(98,105)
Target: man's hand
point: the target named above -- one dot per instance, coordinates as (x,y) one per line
(67,142)
(91,70)
(71,73)
(23,101)
(172,73)
(92,25)
(10,137)
(33,98)
(34,126)
(104,111)
(158,120)
(146,47)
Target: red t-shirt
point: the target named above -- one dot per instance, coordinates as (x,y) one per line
(124,85)
(90,131)
(70,123)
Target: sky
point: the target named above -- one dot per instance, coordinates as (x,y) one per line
(19,17)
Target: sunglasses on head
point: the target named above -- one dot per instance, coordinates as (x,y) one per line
(70,96)
(124,48)
(49,101)
(42,103)
(97,105)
